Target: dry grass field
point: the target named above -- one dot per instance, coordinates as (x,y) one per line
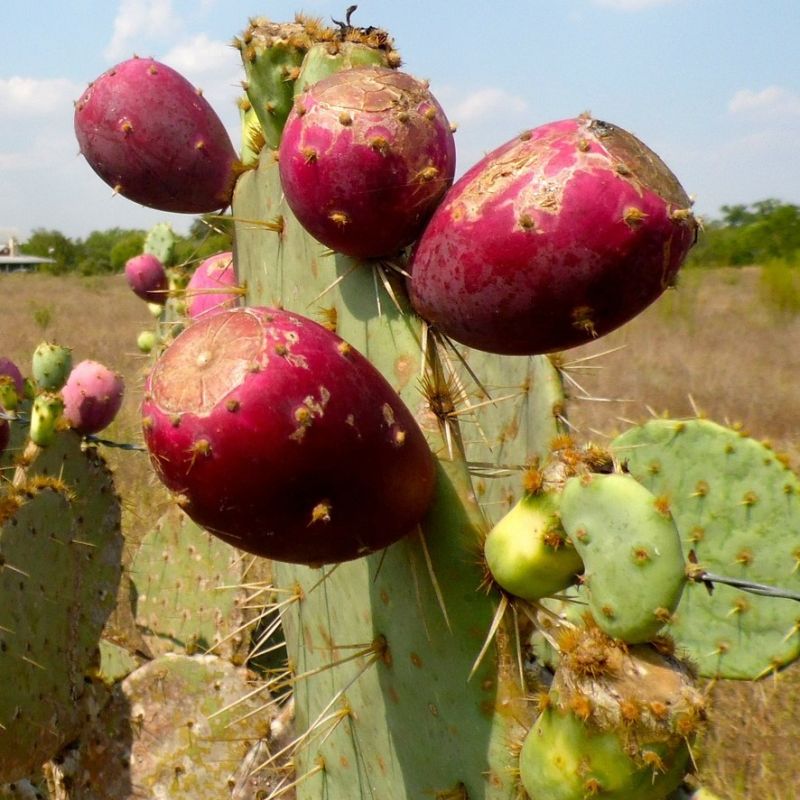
(713,345)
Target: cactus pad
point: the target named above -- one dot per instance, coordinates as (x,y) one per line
(631,550)
(188,593)
(737,506)
(61,549)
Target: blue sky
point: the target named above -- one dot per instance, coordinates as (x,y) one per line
(713,86)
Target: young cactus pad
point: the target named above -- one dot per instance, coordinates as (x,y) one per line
(631,550)
(737,507)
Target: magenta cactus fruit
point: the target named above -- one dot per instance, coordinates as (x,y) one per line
(213,286)
(147,277)
(148,133)
(283,440)
(365,157)
(558,236)
(92,397)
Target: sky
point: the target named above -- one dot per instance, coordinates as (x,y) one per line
(713,86)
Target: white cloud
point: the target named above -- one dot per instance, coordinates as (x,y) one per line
(485,102)
(631,5)
(773,99)
(36,97)
(137,19)
(201,55)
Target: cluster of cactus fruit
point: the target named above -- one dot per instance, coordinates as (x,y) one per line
(474,603)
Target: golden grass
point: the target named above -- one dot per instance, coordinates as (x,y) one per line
(712,344)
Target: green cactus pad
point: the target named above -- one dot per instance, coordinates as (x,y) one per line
(160,242)
(252,135)
(61,551)
(527,551)
(179,726)
(631,549)
(188,590)
(272,54)
(327,58)
(737,507)
(417,698)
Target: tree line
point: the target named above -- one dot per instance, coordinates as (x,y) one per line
(106,252)
(759,233)
(762,232)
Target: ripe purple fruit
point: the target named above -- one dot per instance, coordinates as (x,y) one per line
(366,155)
(283,440)
(554,238)
(92,397)
(148,133)
(147,277)
(213,286)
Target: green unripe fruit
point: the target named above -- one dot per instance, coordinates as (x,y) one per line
(527,551)
(45,415)
(9,397)
(51,365)
(563,758)
(156,309)
(146,341)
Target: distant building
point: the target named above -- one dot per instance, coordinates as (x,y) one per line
(11,260)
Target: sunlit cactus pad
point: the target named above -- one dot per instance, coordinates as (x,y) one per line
(175,728)
(737,508)
(188,589)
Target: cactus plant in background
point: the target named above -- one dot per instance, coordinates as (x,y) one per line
(334,422)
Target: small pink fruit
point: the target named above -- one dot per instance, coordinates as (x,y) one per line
(213,286)
(556,237)
(148,133)
(92,397)
(365,156)
(283,440)
(147,277)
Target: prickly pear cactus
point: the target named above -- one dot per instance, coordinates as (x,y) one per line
(61,565)
(190,590)
(737,507)
(384,647)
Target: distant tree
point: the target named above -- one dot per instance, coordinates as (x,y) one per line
(52,244)
(97,248)
(126,248)
(764,230)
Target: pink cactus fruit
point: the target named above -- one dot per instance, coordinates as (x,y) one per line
(147,277)
(365,157)
(148,133)
(283,440)
(213,286)
(92,397)
(556,237)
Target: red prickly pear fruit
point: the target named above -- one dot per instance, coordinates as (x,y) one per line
(365,157)
(12,384)
(556,237)
(283,440)
(213,286)
(147,277)
(92,397)
(148,133)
